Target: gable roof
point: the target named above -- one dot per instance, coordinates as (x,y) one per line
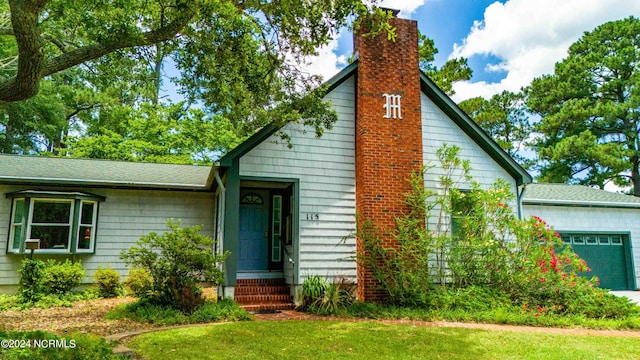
(576,195)
(16,169)
(270,129)
(436,95)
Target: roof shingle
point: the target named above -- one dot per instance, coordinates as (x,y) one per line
(46,170)
(576,195)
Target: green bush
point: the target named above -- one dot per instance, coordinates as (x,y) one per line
(144,311)
(321,297)
(62,277)
(178,261)
(74,346)
(473,243)
(31,287)
(138,282)
(108,282)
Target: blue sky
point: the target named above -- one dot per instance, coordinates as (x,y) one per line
(507,43)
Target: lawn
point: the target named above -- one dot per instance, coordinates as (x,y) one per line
(370,340)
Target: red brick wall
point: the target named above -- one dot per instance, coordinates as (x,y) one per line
(387,150)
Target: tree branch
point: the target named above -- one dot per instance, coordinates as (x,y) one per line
(32,65)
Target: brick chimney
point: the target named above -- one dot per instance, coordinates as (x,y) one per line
(388,132)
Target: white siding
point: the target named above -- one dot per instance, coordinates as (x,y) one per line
(325,168)
(570,218)
(123,218)
(438,129)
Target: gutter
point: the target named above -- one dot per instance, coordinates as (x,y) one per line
(63,181)
(583,203)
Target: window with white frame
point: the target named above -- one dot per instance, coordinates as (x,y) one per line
(63,222)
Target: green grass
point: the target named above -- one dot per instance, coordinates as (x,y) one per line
(368,340)
(510,315)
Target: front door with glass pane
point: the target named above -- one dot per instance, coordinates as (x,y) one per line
(254,230)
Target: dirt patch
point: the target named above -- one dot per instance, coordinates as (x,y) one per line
(84,316)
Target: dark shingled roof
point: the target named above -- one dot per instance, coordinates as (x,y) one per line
(86,172)
(564,194)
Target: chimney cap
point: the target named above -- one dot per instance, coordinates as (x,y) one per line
(394,12)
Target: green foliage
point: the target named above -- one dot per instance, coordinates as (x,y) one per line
(321,297)
(177,261)
(590,123)
(486,248)
(60,278)
(471,298)
(505,117)
(144,311)
(230,64)
(74,346)
(31,286)
(108,282)
(138,282)
(16,302)
(453,70)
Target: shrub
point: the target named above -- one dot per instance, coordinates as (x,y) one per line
(62,277)
(320,297)
(177,261)
(477,244)
(31,287)
(108,282)
(138,282)
(144,311)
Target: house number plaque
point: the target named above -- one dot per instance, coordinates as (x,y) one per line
(313,216)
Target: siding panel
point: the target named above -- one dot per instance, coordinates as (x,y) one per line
(325,168)
(438,129)
(123,218)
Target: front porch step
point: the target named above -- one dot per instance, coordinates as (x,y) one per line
(261,299)
(263,307)
(261,290)
(263,294)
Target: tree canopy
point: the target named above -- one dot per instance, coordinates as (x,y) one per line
(83,79)
(76,74)
(505,117)
(590,110)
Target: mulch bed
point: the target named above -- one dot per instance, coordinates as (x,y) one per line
(84,316)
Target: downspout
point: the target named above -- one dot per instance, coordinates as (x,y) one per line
(223,198)
(220,242)
(519,199)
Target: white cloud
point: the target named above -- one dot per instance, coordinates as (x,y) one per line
(530,36)
(327,63)
(406,7)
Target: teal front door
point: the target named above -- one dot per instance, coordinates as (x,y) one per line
(254,231)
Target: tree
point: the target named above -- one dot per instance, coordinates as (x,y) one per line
(590,110)
(177,260)
(504,117)
(453,70)
(232,54)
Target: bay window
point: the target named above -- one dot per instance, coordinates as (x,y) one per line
(64,223)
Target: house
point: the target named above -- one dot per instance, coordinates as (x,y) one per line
(282,213)
(602,227)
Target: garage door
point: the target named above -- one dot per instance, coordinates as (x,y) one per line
(605,254)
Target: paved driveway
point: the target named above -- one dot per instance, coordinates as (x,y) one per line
(632,295)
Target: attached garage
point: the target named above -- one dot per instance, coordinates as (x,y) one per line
(602,227)
(607,255)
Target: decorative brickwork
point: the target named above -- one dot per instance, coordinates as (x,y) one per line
(388,132)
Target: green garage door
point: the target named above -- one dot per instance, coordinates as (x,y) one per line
(606,255)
